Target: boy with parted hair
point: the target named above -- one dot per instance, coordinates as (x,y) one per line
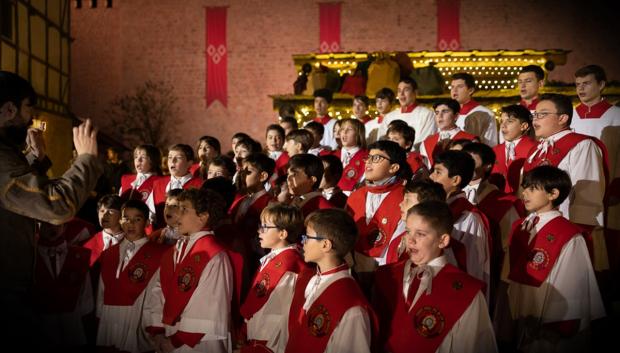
(404,135)
(553,295)
(298,141)
(329,312)
(109,214)
(426,303)
(274,143)
(305,172)
(384,100)
(360,108)
(322,98)
(474,118)
(530,80)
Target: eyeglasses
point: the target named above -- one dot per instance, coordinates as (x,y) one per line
(542,115)
(376,158)
(305,237)
(263,228)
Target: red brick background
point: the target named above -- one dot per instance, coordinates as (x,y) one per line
(119,48)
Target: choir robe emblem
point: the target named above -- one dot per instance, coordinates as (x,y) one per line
(319,321)
(429,322)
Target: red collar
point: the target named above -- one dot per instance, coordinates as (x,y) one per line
(593,112)
(323,119)
(531,106)
(380,119)
(339,268)
(408,108)
(365,119)
(467,107)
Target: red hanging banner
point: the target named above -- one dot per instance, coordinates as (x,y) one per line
(448,32)
(329,27)
(216,55)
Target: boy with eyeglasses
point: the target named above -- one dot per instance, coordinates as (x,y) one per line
(329,312)
(584,158)
(374,207)
(266,307)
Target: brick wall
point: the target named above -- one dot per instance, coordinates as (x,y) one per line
(116,49)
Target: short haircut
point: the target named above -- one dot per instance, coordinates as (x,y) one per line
(458,142)
(333,171)
(138,205)
(290,120)
(205,200)
(519,112)
(548,178)
(363,99)
(302,136)
(396,154)
(457,163)
(596,70)
(286,111)
(360,130)
(286,217)
(277,128)
(469,79)
(452,104)
(224,162)
(110,201)
(406,131)
(427,190)
(485,152)
(324,93)
(386,93)
(336,225)
(309,164)
(316,127)
(262,162)
(435,213)
(240,135)
(173,193)
(409,81)
(223,187)
(562,103)
(397,122)
(154,155)
(211,141)
(15,89)
(249,144)
(183,148)
(537,70)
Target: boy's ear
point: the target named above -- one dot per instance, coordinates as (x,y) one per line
(263,177)
(456,180)
(204,217)
(444,241)
(394,168)
(524,127)
(327,245)
(553,194)
(283,234)
(563,119)
(314,179)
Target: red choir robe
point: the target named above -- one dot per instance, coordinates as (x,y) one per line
(433,148)
(311,202)
(127,191)
(353,172)
(159,196)
(506,174)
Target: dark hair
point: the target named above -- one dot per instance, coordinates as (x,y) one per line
(409,81)
(596,70)
(427,190)
(469,79)
(302,136)
(317,127)
(286,217)
(138,205)
(333,171)
(250,144)
(406,131)
(457,163)
(286,111)
(562,103)
(485,152)
(290,120)
(205,200)
(262,162)
(450,103)
(240,135)
(15,89)
(397,155)
(154,155)
(225,162)
(174,193)
(360,130)
(397,122)
(211,141)
(520,112)
(309,164)
(363,99)
(336,225)
(458,142)
(386,93)
(111,201)
(324,93)
(436,213)
(548,178)
(537,70)
(223,187)
(275,127)
(185,149)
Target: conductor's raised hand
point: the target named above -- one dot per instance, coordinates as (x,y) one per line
(85,138)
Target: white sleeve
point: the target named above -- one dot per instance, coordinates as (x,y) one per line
(352,334)
(473,332)
(152,314)
(475,239)
(505,226)
(424,154)
(150,203)
(99,298)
